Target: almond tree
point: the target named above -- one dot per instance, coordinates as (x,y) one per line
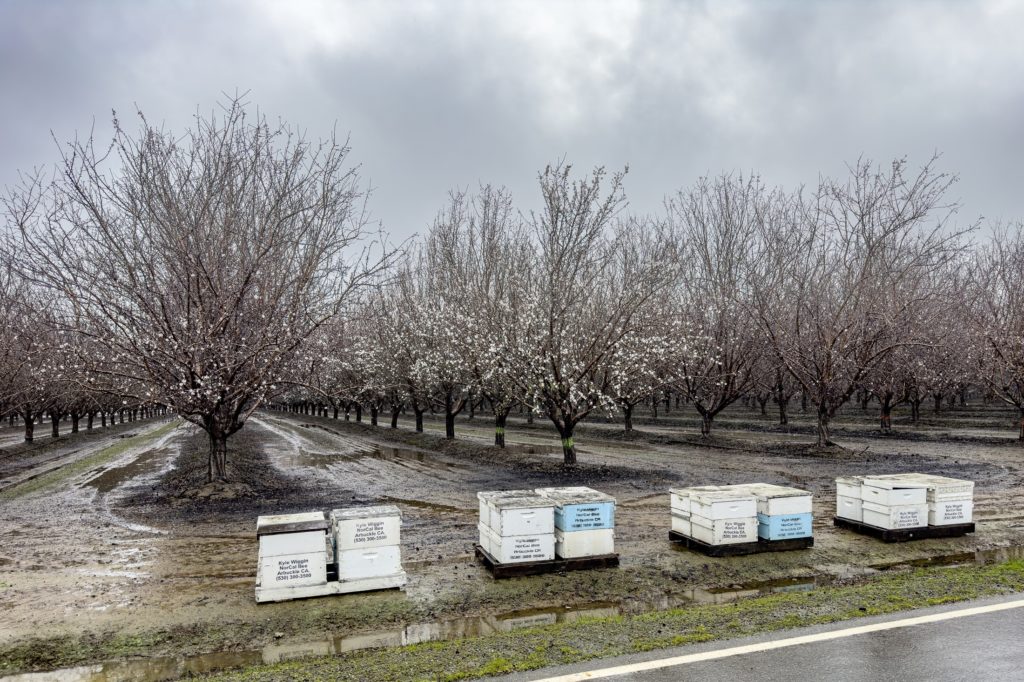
(854,262)
(585,299)
(199,261)
(997,290)
(718,225)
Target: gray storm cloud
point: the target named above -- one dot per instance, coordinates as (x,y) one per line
(443,95)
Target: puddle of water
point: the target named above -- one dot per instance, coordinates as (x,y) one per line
(400,456)
(108,479)
(171,668)
(159,669)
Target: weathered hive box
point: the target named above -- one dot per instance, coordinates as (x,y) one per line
(849,486)
(518,512)
(950,500)
(375,562)
(722,502)
(892,492)
(366,527)
(292,555)
(679,501)
(784,526)
(894,517)
(508,549)
(850,508)
(723,531)
(681,523)
(581,508)
(582,543)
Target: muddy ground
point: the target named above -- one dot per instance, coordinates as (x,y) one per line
(102,535)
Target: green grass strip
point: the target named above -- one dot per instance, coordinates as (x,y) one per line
(587,639)
(52,478)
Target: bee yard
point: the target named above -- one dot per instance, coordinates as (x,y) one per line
(911,506)
(292,556)
(741,519)
(584,522)
(517,534)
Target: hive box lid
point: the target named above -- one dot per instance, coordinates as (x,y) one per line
(492,495)
(893,482)
(291,523)
(850,480)
(524,499)
(928,480)
(575,495)
(365,513)
(721,494)
(770,490)
(694,490)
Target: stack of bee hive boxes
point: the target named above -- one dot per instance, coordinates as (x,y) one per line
(517,526)
(584,521)
(292,556)
(715,515)
(782,513)
(885,502)
(367,547)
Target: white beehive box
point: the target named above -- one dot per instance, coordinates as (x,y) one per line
(376,562)
(722,503)
(778,500)
(679,500)
(950,512)
(583,543)
(850,508)
(511,549)
(292,551)
(895,517)
(366,527)
(682,524)
(723,531)
(849,486)
(887,491)
(580,508)
(521,512)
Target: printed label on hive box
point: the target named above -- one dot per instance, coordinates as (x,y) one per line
(907,519)
(585,517)
(369,531)
(954,512)
(733,530)
(293,569)
(527,548)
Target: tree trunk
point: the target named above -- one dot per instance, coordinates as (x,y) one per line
(803,401)
(705,422)
(763,402)
(30,427)
(359,412)
(394,416)
(915,410)
(668,401)
(55,424)
(373,414)
(824,433)
(783,404)
(1020,436)
(627,412)
(449,426)
(568,445)
(216,469)
(103,419)
(885,418)
(499,428)
(419,419)
(335,411)
(938,402)
(75,417)
(88,421)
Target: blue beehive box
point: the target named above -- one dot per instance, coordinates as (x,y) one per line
(581,508)
(784,526)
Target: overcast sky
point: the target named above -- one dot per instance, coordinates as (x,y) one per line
(449,94)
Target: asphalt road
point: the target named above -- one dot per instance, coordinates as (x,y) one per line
(971,646)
